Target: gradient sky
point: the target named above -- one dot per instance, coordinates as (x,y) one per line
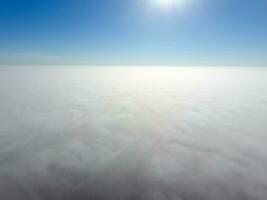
(207,32)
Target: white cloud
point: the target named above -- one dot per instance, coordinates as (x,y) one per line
(132,133)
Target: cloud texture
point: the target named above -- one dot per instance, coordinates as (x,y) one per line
(130,133)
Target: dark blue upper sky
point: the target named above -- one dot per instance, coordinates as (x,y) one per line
(209,32)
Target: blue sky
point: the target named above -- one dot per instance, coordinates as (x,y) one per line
(206,32)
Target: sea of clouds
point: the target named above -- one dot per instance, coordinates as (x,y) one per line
(133,133)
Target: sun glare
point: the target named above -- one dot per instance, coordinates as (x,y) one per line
(164,2)
(171,4)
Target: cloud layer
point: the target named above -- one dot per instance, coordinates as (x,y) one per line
(133,133)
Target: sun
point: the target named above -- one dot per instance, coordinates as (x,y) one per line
(164,3)
(171,4)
